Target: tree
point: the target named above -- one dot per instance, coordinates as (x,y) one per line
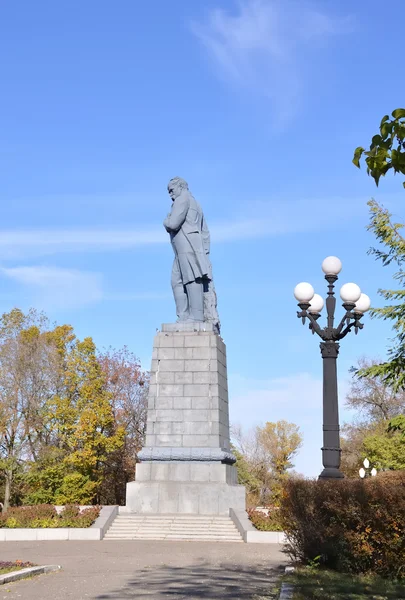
(26,361)
(127,385)
(253,472)
(383,447)
(397,424)
(389,234)
(387,148)
(95,435)
(352,436)
(71,419)
(378,408)
(267,454)
(387,151)
(81,431)
(372,397)
(386,449)
(280,442)
(248,477)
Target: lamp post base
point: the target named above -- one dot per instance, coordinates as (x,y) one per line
(331,473)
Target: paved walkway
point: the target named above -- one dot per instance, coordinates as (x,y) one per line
(115,570)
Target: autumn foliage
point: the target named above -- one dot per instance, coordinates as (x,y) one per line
(263,459)
(266,521)
(71,418)
(351,525)
(45,515)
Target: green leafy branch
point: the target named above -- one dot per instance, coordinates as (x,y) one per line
(392,250)
(397,424)
(387,149)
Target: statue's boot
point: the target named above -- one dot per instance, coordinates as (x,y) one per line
(195,294)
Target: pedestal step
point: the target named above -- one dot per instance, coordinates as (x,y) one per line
(173,527)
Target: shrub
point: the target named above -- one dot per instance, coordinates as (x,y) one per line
(45,515)
(70,511)
(11,523)
(25,516)
(354,526)
(265,522)
(70,517)
(392,476)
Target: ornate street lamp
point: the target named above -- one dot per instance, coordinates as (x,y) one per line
(355,304)
(366,471)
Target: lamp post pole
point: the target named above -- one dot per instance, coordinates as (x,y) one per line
(355,304)
(331,439)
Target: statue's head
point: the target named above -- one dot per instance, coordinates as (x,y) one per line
(176,186)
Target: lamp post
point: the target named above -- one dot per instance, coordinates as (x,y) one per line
(366,471)
(355,304)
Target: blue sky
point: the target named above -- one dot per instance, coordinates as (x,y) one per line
(259,105)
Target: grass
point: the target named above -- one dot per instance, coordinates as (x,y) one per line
(272,594)
(10,570)
(321,584)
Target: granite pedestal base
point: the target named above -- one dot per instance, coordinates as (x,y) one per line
(186,464)
(205,488)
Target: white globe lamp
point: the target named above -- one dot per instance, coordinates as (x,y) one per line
(316,304)
(331,265)
(362,473)
(363,304)
(304,292)
(366,463)
(350,292)
(373,472)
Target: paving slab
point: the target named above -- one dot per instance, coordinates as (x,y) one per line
(122,570)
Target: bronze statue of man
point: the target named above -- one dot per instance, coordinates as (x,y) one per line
(192,281)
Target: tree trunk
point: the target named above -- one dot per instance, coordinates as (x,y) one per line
(7,490)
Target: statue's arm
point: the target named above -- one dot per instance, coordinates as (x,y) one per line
(175,220)
(205,236)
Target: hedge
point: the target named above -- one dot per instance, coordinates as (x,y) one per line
(350,525)
(265,522)
(46,515)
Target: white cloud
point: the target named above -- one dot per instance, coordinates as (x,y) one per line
(50,241)
(262,219)
(296,398)
(283,217)
(266,46)
(58,288)
(271,398)
(138,296)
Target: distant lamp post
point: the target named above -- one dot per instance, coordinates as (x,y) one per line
(355,304)
(366,471)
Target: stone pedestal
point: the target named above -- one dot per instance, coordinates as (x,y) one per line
(187,465)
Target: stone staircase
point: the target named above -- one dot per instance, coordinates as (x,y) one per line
(208,528)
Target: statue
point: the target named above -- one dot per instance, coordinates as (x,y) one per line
(192,282)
